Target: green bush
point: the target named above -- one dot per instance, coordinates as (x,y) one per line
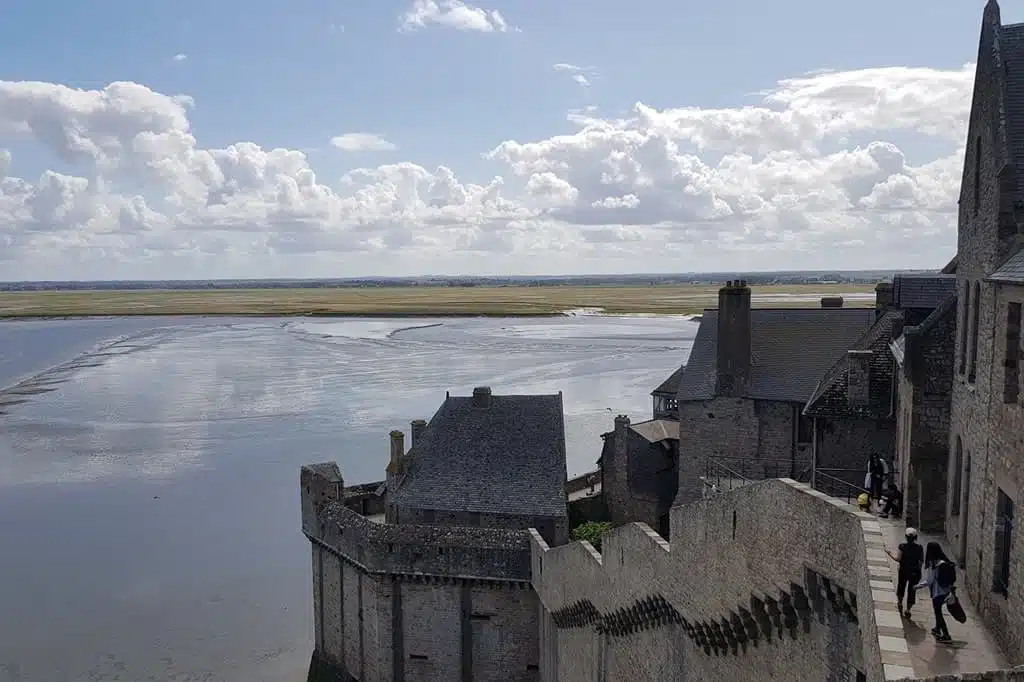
(591,531)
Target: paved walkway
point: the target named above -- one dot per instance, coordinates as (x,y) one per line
(972,650)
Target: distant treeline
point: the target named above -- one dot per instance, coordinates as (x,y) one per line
(712,278)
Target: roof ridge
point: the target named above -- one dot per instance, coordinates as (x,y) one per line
(933,318)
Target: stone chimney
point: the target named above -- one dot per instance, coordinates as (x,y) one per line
(831,301)
(482,396)
(733,339)
(397,464)
(884,297)
(416,430)
(858,382)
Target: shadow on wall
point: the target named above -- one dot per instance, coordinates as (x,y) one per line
(774,570)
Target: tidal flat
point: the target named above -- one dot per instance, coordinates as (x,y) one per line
(149,467)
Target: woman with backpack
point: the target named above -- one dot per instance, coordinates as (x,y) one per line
(940,580)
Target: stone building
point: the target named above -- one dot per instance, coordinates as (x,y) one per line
(986,469)
(854,407)
(923,352)
(485,460)
(440,588)
(639,471)
(745,385)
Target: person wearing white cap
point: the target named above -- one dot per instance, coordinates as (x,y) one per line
(910,557)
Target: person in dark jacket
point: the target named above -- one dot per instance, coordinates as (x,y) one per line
(893,502)
(909,556)
(940,578)
(876,476)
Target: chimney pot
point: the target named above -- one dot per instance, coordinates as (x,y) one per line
(482,396)
(858,380)
(733,362)
(416,431)
(397,451)
(831,301)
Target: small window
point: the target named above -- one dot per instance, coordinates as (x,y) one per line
(958,481)
(964,322)
(480,616)
(977,173)
(972,375)
(1003,544)
(1011,361)
(418,657)
(804,430)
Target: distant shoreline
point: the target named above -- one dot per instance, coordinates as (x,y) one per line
(412,302)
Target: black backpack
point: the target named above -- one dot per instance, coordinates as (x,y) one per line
(945,574)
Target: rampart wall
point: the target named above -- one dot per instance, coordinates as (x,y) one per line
(773,577)
(415,603)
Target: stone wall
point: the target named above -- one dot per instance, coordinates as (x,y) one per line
(721,600)
(1015,675)
(988,430)
(844,446)
(554,529)
(924,395)
(737,429)
(415,602)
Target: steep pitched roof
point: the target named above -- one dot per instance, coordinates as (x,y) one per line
(922,290)
(1011,271)
(791,349)
(1011,51)
(829,398)
(506,458)
(670,385)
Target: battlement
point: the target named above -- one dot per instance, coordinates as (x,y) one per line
(405,549)
(723,583)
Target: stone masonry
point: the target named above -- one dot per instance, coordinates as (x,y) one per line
(407,602)
(986,470)
(721,601)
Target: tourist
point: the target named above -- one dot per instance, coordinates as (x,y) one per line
(876,476)
(864,502)
(893,502)
(940,580)
(909,557)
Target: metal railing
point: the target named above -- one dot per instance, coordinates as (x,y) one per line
(719,478)
(838,487)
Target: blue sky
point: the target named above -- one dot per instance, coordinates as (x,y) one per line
(294,75)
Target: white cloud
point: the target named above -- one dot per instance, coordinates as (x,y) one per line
(582,75)
(453,14)
(180,57)
(759,186)
(362,142)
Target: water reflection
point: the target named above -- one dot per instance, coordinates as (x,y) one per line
(149,488)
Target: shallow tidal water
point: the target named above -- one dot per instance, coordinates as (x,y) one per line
(149,519)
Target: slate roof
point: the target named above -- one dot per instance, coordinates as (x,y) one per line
(670,385)
(1012,271)
(508,458)
(791,349)
(923,290)
(657,430)
(829,398)
(1011,50)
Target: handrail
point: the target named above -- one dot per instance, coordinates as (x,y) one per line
(837,487)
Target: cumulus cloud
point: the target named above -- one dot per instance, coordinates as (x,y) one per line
(180,57)
(452,14)
(581,74)
(362,142)
(772,184)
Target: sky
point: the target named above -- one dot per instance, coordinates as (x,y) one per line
(316,138)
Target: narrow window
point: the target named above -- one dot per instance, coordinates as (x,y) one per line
(804,430)
(1004,542)
(965,320)
(958,478)
(1011,362)
(480,616)
(977,173)
(418,657)
(975,306)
